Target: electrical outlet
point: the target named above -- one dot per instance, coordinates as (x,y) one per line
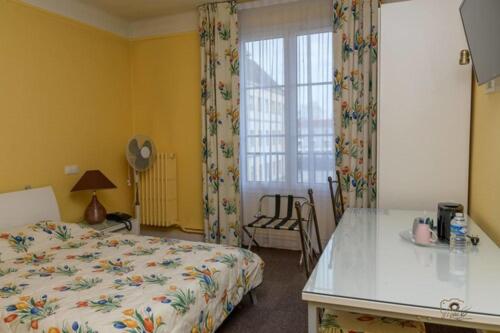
(493,86)
(71,169)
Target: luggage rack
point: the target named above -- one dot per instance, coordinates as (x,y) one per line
(276,222)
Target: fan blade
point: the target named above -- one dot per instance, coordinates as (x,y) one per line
(133,147)
(141,163)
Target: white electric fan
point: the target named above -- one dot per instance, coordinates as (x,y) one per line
(141,154)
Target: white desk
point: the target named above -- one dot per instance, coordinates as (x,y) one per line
(368,268)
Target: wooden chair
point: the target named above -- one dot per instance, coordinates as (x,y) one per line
(337,199)
(334,321)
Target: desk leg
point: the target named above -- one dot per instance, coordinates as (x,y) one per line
(312,318)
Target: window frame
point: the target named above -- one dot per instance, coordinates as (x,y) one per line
(290,87)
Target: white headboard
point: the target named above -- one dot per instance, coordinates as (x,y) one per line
(29,206)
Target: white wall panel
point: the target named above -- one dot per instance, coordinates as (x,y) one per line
(424,105)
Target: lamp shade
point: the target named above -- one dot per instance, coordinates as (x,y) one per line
(93,180)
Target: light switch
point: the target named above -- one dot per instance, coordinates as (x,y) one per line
(71,169)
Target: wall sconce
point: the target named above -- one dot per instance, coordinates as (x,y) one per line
(464,57)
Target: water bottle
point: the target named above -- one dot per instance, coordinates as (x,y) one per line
(458,233)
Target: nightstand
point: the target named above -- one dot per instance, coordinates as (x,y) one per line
(113,226)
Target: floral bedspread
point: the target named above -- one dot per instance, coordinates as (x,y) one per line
(62,278)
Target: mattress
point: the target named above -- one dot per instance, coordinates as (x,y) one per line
(65,278)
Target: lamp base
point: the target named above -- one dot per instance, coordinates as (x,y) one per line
(95,212)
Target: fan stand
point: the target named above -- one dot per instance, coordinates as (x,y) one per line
(137,202)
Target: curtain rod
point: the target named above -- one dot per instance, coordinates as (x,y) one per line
(249,2)
(216,2)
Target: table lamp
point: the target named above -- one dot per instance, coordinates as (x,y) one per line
(93,180)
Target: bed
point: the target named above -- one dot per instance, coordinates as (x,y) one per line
(65,278)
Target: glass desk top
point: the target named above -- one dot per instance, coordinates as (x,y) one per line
(366,259)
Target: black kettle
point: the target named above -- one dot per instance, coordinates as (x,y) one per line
(446,213)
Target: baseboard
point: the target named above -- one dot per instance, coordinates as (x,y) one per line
(278,239)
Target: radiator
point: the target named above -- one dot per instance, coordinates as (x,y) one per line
(158,192)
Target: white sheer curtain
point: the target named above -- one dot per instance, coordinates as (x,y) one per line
(287,142)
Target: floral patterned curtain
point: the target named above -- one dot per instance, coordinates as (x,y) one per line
(220,122)
(355,27)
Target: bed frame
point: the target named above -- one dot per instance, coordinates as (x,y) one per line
(34,205)
(28,206)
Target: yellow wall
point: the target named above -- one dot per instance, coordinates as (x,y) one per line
(72,94)
(64,99)
(484,196)
(166,106)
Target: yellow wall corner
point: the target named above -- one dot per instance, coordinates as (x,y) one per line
(484,187)
(166,106)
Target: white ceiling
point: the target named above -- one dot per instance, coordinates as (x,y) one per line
(131,18)
(134,10)
(135,18)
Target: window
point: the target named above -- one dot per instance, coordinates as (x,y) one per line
(287,103)
(287,139)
